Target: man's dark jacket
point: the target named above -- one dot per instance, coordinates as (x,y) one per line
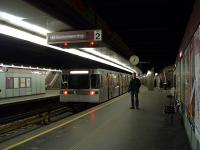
(134,85)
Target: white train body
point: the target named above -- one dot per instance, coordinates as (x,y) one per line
(92,85)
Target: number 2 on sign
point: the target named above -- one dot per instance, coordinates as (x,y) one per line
(97,35)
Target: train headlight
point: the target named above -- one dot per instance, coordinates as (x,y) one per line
(92,93)
(65,92)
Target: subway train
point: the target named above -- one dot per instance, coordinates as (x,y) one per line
(92,85)
(16,82)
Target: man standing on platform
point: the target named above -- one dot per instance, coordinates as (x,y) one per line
(134,87)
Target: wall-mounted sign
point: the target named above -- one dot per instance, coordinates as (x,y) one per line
(74,36)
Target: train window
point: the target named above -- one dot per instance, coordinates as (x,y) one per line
(16,83)
(78,81)
(22,82)
(28,82)
(9,82)
(95,81)
(64,81)
(114,80)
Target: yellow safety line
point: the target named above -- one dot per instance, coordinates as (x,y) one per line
(56,127)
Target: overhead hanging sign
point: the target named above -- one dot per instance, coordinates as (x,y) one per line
(74,36)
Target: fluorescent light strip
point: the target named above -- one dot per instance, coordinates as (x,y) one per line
(41,41)
(79,72)
(29,68)
(18,21)
(36,72)
(21,35)
(95,52)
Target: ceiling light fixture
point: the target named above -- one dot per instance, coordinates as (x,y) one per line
(106,57)
(18,21)
(79,72)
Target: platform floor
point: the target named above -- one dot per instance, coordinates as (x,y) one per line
(48,94)
(111,126)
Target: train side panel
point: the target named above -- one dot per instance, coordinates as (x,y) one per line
(2,85)
(19,82)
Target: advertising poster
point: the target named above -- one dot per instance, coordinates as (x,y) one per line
(197,82)
(187,78)
(178,81)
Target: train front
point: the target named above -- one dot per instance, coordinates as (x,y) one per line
(80,86)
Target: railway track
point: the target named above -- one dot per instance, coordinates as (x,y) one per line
(11,126)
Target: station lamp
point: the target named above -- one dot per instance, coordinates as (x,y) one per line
(149,73)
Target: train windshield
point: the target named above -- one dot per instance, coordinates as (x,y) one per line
(64,83)
(78,81)
(95,81)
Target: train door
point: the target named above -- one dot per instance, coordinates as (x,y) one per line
(126,83)
(33,84)
(123,84)
(101,89)
(120,83)
(38,88)
(116,85)
(111,85)
(108,86)
(22,84)
(42,84)
(105,87)
(9,85)
(28,85)
(2,84)
(16,89)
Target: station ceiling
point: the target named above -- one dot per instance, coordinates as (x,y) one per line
(152,30)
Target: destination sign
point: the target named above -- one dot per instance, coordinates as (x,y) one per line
(74,36)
